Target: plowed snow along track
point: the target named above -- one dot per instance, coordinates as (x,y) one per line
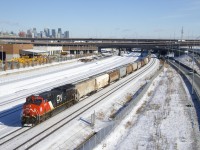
(36,136)
(46,82)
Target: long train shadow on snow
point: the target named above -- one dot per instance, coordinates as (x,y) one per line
(11,117)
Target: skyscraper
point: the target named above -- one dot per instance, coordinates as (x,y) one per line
(34,32)
(66,34)
(29,33)
(42,33)
(59,33)
(53,33)
(60,30)
(47,32)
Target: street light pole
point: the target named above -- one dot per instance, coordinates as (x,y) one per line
(192,70)
(2,56)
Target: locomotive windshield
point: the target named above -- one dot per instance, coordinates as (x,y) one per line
(37,101)
(29,100)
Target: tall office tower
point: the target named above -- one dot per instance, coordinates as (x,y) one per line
(38,35)
(29,33)
(53,32)
(42,33)
(60,31)
(34,32)
(59,35)
(66,34)
(47,32)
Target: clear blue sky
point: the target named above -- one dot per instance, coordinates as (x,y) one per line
(104,18)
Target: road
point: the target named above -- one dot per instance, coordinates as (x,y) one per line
(189,76)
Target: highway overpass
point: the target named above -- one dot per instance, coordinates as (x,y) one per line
(79,44)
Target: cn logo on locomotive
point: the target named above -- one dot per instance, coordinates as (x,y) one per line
(59,98)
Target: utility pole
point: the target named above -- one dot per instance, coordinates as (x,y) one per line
(179,46)
(2,57)
(193,70)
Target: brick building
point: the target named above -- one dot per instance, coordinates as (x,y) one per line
(13,50)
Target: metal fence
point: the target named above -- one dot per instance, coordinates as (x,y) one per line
(99,136)
(9,65)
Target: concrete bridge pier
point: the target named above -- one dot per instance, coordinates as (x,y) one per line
(128,49)
(121,51)
(142,52)
(99,49)
(119,54)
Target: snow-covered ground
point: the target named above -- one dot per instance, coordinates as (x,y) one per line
(76,131)
(187,60)
(18,90)
(161,120)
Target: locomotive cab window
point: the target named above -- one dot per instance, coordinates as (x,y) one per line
(29,100)
(37,101)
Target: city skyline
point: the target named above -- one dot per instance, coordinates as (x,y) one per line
(113,18)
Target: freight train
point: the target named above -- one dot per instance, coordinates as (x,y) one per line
(42,106)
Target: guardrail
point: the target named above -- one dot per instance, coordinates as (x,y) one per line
(185,77)
(185,66)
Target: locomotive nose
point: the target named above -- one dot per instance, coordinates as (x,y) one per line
(28,110)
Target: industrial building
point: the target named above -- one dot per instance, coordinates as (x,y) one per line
(10,51)
(84,49)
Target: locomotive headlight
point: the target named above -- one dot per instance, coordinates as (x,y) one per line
(41,109)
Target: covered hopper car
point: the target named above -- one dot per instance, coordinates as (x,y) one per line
(38,108)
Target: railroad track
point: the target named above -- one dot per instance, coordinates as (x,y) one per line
(10,112)
(12,135)
(14,110)
(16,79)
(35,139)
(59,83)
(58,67)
